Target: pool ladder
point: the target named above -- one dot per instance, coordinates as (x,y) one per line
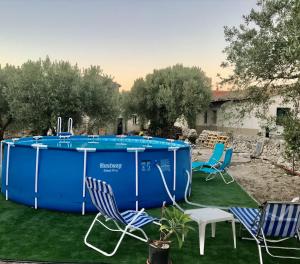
(70,126)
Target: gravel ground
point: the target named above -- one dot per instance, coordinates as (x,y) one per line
(265,181)
(260,178)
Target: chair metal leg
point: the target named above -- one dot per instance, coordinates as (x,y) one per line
(267,247)
(210,176)
(259,253)
(213,175)
(96,248)
(123,231)
(226,182)
(233,233)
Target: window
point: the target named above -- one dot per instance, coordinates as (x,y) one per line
(281,114)
(214,117)
(205,117)
(134,119)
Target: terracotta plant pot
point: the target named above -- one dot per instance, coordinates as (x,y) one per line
(159,253)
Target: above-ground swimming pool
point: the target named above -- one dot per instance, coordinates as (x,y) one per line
(49,172)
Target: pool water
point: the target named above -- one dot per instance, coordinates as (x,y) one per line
(102,143)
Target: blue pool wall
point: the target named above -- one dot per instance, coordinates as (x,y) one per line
(60,175)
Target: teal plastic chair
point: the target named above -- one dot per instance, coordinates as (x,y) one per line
(213,171)
(213,161)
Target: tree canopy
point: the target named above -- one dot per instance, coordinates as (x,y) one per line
(168,93)
(264,52)
(99,95)
(6,119)
(37,92)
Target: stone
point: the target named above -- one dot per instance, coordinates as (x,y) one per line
(273,149)
(181,122)
(192,135)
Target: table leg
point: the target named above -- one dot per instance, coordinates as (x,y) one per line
(213,229)
(233,232)
(202,227)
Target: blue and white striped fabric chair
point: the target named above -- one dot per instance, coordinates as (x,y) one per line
(276,220)
(103,199)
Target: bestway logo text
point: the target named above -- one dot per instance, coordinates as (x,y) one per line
(117,166)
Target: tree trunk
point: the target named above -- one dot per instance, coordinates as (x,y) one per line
(1,134)
(293,163)
(4,126)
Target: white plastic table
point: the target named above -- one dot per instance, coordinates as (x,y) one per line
(204,216)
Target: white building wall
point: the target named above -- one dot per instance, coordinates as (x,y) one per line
(132,126)
(228,120)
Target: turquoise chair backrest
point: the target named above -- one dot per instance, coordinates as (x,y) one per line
(217,154)
(227,159)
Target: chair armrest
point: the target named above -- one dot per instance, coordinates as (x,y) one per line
(217,161)
(214,166)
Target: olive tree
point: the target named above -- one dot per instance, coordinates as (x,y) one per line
(164,95)
(100,97)
(264,54)
(7,74)
(37,92)
(41,92)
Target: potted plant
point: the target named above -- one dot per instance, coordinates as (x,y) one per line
(173,223)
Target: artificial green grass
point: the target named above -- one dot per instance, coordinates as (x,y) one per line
(42,235)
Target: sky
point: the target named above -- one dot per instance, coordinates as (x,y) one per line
(126,38)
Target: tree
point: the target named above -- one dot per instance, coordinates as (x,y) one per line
(168,93)
(7,74)
(134,101)
(39,91)
(100,97)
(292,138)
(42,91)
(264,53)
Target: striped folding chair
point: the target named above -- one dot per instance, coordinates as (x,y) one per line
(214,160)
(213,171)
(275,222)
(103,199)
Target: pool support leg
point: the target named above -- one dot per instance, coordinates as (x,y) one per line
(136,181)
(36,178)
(136,151)
(191,170)
(9,144)
(174,149)
(1,154)
(85,151)
(83,185)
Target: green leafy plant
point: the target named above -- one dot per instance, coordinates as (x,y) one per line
(174,223)
(291,135)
